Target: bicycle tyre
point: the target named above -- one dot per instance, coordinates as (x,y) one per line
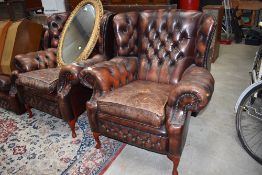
(243,111)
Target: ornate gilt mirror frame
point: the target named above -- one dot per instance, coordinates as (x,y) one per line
(94,35)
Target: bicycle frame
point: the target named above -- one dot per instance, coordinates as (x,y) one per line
(255,77)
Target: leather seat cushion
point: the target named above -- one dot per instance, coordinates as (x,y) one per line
(43,80)
(140,101)
(5,83)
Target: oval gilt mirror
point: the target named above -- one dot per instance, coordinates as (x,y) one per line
(80,33)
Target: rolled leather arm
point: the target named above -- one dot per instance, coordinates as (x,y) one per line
(36,60)
(108,75)
(192,93)
(68,75)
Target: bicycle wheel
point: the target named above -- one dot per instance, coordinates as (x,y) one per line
(249,123)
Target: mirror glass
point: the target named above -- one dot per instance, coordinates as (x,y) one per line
(78,33)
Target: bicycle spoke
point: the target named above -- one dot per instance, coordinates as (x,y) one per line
(249,127)
(253,136)
(259,148)
(258,145)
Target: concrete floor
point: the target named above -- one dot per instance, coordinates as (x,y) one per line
(212,146)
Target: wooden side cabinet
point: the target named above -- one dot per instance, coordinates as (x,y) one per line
(73,3)
(34,5)
(18,9)
(135,1)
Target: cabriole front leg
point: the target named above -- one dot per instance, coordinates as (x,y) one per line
(175,161)
(91,107)
(67,112)
(72,124)
(28,109)
(96,137)
(177,128)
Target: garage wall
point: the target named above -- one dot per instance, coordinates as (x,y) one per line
(54,6)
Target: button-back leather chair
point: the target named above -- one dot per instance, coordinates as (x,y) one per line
(8,93)
(54,90)
(145,95)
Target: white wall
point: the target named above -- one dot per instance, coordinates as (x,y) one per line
(53,6)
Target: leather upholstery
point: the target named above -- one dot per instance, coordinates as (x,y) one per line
(55,25)
(145,95)
(57,91)
(133,136)
(36,60)
(110,74)
(47,103)
(167,47)
(44,80)
(106,30)
(199,83)
(68,74)
(5,83)
(47,59)
(145,105)
(125,27)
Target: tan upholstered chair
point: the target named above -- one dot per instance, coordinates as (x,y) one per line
(16,37)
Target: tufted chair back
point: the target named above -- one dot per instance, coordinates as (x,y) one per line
(166,42)
(55,25)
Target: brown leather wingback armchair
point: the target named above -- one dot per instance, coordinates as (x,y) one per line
(145,95)
(54,90)
(8,92)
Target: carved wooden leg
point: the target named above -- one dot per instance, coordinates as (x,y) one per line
(72,125)
(175,161)
(96,136)
(28,109)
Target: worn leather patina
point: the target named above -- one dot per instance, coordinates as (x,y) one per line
(44,80)
(145,105)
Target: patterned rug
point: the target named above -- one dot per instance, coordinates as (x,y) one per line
(43,145)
